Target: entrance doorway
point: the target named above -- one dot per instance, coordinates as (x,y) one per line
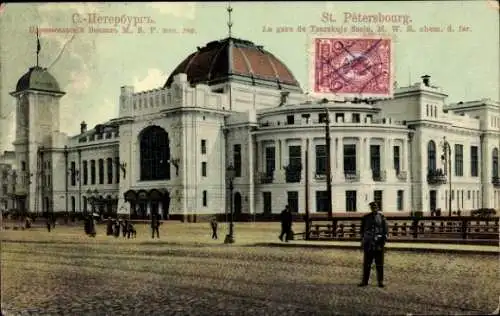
(165,205)
(267,203)
(432,200)
(237,203)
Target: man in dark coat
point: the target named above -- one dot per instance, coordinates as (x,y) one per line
(109,227)
(155,226)
(286,223)
(124,224)
(373,232)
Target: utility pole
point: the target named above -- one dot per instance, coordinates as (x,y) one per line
(328,166)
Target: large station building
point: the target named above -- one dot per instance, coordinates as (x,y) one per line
(232,103)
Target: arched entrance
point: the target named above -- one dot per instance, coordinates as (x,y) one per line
(142,197)
(156,201)
(237,203)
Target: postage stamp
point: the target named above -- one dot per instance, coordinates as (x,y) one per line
(351,66)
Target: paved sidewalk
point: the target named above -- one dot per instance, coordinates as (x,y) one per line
(418,247)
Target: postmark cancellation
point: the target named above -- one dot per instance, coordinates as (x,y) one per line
(351,66)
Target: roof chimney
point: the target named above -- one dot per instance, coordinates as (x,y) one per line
(426,80)
(83,127)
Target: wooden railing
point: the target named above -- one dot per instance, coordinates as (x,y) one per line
(409,228)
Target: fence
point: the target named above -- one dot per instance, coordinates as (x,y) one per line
(460,228)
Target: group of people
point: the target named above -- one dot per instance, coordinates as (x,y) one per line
(114,226)
(374,233)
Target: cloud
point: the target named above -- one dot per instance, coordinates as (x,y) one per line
(182,10)
(154,79)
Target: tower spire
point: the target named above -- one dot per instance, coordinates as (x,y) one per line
(229,22)
(38,47)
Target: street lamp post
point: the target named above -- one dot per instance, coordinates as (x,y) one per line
(446,158)
(230,175)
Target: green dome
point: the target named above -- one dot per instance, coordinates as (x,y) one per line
(38,78)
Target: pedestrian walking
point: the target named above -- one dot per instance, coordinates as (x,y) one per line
(374,232)
(214,224)
(116,231)
(109,227)
(286,224)
(48,222)
(124,228)
(155,226)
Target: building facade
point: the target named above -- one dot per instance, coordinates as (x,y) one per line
(233,103)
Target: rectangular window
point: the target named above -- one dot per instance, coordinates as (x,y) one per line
(203,146)
(203,169)
(321,201)
(462,199)
(321,159)
(477,199)
(267,202)
(294,170)
(85,173)
(378,198)
(101,171)
(468,195)
(350,201)
(117,169)
(375,161)
(400,200)
(92,172)
(356,118)
(322,117)
(474,161)
(473,199)
(290,119)
(205,202)
(293,201)
(396,158)
(237,159)
(73,173)
(459,160)
(109,170)
(350,159)
(339,117)
(270,160)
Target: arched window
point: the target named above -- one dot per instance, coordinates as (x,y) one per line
(155,154)
(431,156)
(495,162)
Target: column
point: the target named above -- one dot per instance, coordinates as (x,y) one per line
(305,146)
(251,175)
(259,156)
(404,156)
(387,166)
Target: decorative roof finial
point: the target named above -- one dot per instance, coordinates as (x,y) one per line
(229,22)
(38,46)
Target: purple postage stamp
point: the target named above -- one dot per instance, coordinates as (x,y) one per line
(351,66)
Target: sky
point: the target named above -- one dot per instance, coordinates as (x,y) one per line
(91,67)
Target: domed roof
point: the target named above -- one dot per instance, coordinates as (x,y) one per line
(234,59)
(38,78)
